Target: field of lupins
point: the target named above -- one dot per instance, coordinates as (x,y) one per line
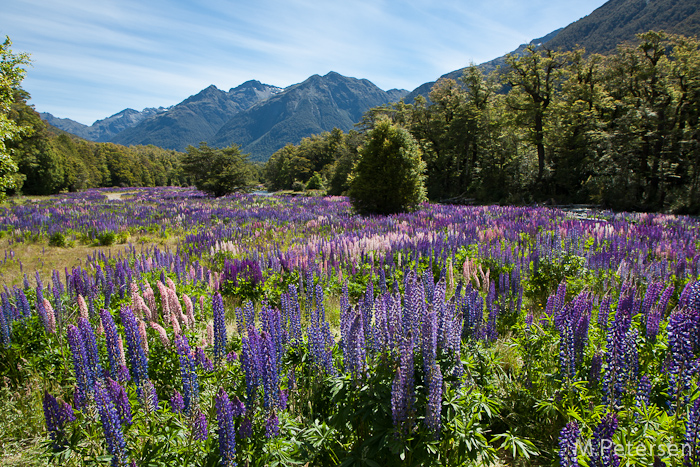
(277,330)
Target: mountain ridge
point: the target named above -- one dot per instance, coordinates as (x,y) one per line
(103,130)
(196,118)
(319,103)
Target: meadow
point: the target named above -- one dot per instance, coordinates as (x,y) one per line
(162,327)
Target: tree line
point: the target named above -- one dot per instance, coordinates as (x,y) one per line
(50,161)
(619,131)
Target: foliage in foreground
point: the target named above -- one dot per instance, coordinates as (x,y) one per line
(448,336)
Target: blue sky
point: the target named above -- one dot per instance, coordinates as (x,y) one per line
(94,58)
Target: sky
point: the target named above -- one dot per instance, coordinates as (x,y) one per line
(94,58)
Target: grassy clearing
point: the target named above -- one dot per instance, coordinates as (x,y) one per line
(28,257)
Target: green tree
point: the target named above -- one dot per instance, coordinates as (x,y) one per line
(389,176)
(11,76)
(347,156)
(315,182)
(577,126)
(41,166)
(534,77)
(217,171)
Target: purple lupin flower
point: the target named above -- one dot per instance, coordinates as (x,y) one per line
(643,392)
(603,448)
(619,370)
(270,375)
(203,361)
(567,361)
(199,426)
(692,434)
(320,342)
(604,312)
(246,428)
(650,298)
(429,337)
(150,397)
(568,439)
(112,427)
(434,408)
(219,328)
(252,367)
(135,351)
(57,415)
(5,326)
(112,340)
(93,357)
(403,390)
(120,401)
(354,345)
(237,407)
(682,332)
(657,313)
(84,377)
(41,310)
(177,403)
(188,372)
(272,428)
(22,302)
(227,429)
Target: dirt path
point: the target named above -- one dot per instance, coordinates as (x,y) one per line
(117,195)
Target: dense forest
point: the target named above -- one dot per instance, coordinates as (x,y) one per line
(620,131)
(51,161)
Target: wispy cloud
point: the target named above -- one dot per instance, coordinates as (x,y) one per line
(92,59)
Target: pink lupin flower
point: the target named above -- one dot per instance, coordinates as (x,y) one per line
(144,340)
(189,308)
(177,330)
(162,333)
(150,299)
(163,291)
(82,306)
(50,317)
(120,349)
(210,333)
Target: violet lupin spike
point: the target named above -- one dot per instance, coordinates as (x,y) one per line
(434,406)
(112,428)
(568,445)
(220,340)
(135,350)
(227,429)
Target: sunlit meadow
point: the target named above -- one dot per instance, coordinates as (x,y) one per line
(158,326)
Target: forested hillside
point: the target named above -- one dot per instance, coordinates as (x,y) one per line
(619,130)
(616,22)
(50,160)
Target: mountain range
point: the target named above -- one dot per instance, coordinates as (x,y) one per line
(261,118)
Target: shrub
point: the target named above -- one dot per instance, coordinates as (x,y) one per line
(58,239)
(315,182)
(389,177)
(106,238)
